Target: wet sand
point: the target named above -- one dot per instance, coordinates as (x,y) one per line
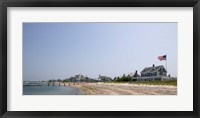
(124,89)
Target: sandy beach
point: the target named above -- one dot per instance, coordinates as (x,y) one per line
(124,89)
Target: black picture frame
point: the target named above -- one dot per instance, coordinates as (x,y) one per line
(99,3)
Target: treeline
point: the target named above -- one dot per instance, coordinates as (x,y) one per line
(81,78)
(124,79)
(74,80)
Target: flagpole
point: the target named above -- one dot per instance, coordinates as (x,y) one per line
(166,66)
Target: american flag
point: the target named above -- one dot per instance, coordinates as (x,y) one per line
(164,57)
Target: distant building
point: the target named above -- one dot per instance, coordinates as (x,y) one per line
(154,73)
(104,78)
(79,77)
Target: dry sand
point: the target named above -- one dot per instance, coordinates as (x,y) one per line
(124,89)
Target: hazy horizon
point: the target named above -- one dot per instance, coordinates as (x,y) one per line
(62,50)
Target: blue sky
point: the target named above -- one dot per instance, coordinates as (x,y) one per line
(62,50)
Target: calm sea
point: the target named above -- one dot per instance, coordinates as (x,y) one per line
(50,90)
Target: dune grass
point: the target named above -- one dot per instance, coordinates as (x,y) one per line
(169,82)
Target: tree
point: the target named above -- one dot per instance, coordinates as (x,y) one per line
(59,80)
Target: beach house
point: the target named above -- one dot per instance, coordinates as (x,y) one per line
(154,73)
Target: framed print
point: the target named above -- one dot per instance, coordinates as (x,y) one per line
(99,58)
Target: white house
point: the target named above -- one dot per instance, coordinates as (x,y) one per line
(154,73)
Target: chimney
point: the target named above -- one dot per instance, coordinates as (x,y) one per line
(135,75)
(153,65)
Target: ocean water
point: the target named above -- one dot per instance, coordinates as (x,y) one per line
(50,90)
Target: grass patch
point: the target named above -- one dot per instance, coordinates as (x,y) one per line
(169,82)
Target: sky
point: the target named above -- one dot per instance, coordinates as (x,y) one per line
(62,50)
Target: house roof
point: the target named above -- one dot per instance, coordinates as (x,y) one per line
(153,69)
(105,77)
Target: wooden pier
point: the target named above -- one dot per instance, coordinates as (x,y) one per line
(61,83)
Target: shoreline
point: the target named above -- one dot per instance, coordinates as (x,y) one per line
(101,88)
